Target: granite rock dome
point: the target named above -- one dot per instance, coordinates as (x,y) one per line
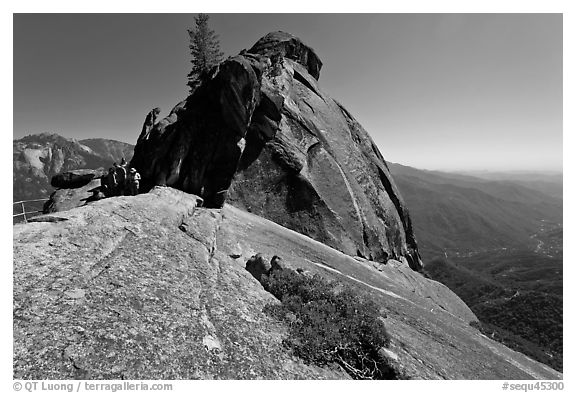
(260,134)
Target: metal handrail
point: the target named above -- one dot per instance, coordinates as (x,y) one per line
(31,200)
(24,212)
(21,214)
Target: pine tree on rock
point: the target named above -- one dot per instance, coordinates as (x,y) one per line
(204,49)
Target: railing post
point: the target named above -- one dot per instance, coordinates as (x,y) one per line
(24,211)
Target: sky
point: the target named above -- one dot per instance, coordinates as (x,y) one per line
(435,91)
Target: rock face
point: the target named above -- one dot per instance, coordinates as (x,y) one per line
(281,44)
(151,287)
(259,133)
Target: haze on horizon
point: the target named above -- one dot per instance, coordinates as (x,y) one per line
(435,91)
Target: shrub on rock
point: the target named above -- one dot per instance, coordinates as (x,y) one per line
(330,323)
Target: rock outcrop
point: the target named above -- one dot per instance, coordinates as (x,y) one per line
(153,287)
(258,266)
(75,178)
(259,133)
(75,188)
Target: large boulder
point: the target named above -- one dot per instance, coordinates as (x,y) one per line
(75,178)
(77,188)
(259,133)
(258,266)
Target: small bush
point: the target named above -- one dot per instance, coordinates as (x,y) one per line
(330,323)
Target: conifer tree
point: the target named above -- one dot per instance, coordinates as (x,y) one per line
(204,49)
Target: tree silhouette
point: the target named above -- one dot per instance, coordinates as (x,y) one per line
(204,49)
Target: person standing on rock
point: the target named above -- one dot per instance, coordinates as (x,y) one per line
(133,181)
(111,183)
(104,184)
(120,179)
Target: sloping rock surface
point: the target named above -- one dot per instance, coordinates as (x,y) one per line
(152,287)
(260,134)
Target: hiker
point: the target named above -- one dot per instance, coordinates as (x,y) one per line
(104,184)
(133,181)
(120,179)
(123,162)
(111,183)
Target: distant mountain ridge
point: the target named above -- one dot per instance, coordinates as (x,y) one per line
(550,183)
(38,157)
(455,213)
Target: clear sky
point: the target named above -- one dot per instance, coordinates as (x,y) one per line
(435,91)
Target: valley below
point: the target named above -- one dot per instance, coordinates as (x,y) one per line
(498,245)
